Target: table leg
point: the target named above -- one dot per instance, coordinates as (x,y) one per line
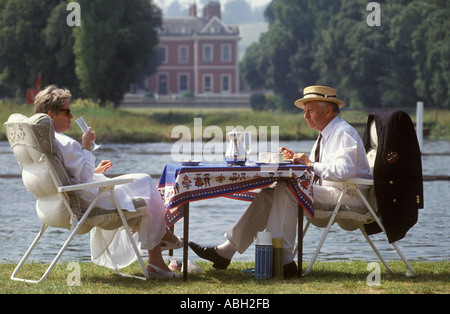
(186,239)
(172,229)
(300,241)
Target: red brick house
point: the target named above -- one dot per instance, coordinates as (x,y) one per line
(200,55)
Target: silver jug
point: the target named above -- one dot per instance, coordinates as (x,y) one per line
(235,153)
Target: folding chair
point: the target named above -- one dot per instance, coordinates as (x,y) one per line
(32,141)
(373,218)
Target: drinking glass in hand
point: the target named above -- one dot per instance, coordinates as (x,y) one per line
(83,126)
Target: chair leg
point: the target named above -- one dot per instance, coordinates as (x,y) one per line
(375,249)
(133,243)
(28,252)
(408,265)
(377,219)
(73,232)
(325,233)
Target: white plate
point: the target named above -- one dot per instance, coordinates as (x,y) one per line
(190,162)
(262,163)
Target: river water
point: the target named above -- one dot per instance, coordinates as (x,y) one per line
(428,240)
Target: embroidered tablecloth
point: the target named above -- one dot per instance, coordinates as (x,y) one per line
(181,184)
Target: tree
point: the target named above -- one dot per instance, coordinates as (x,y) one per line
(114,46)
(22,49)
(283,58)
(431,52)
(353,56)
(404,59)
(59,40)
(397,84)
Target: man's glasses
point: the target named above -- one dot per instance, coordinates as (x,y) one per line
(67,111)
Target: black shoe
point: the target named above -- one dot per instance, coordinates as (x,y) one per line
(290,270)
(210,254)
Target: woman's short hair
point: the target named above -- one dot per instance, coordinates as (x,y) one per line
(52,99)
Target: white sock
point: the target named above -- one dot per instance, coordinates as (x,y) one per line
(226,249)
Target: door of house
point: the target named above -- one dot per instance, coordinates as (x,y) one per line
(162,84)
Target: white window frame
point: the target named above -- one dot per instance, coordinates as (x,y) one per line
(228,77)
(180,90)
(165,54)
(208,57)
(225,56)
(183,58)
(210,90)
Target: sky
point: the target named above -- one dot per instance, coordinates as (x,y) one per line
(165,3)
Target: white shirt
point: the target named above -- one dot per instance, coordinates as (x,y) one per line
(342,154)
(111,248)
(80,165)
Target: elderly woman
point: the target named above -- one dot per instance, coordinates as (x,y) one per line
(79,163)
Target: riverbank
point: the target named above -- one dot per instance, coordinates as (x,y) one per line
(352,277)
(148,124)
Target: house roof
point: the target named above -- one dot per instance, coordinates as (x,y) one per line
(190,26)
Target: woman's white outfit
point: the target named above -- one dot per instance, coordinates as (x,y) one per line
(112,248)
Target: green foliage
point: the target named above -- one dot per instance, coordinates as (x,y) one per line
(58,40)
(260,101)
(257,101)
(188,95)
(114,47)
(404,60)
(22,52)
(148,95)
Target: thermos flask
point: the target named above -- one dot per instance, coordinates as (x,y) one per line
(263,255)
(278,258)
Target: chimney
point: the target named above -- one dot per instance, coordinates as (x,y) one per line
(212,9)
(193,10)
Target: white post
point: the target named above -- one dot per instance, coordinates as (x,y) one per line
(419,123)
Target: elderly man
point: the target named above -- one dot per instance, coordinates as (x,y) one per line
(338,154)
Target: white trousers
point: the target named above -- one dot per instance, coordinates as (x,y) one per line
(276,211)
(112,248)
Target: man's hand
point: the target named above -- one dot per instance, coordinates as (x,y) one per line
(302,159)
(103,166)
(288,153)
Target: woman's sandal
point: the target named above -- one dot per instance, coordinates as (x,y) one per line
(160,273)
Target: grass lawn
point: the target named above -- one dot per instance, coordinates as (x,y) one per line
(325,278)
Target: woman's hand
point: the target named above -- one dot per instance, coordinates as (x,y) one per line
(103,166)
(87,139)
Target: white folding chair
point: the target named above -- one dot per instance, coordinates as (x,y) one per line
(32,141)
(352,218)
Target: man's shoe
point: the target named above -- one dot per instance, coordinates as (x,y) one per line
(210,254)
(290,270)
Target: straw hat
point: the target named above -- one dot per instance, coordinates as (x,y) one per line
(319,93)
